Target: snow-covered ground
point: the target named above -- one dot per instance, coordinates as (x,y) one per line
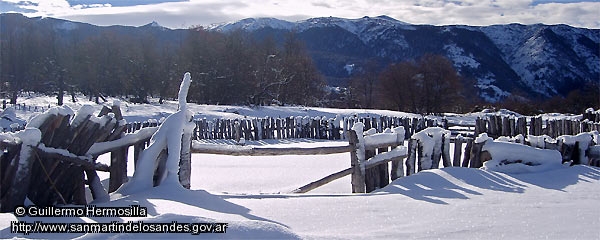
(251,194)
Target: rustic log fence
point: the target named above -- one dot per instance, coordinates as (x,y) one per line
(302,127)
(370,153)
(580,149)
(510,126)
(61,149)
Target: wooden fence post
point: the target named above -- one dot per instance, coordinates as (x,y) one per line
(397,168)
(446,150)
(371,175)
(383,172)
(185,161)
(521,126)
(476,155)
(118,168)
(467,155)
(506,126)
(412,156)
(118,159)
(457,150)
(357,179)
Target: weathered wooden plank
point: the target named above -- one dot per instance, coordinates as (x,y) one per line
(323,181)
(118,168)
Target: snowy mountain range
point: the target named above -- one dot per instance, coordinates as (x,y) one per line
(532,60)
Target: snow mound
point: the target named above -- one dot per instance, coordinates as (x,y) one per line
(8,118)
(517,158)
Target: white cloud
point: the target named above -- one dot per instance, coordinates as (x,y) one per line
(436,12)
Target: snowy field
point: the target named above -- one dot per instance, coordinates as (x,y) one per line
(251,194)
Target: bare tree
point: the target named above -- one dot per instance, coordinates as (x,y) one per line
(430,85)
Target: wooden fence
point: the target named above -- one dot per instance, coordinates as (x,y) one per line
(496,126)
(302,127)
(66,144)
(369,155)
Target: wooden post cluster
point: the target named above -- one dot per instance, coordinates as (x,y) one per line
(591,115)
(508,126)
(369,174)
(301,127)
(60,178)
(134,126)
(427,148)
(574,149)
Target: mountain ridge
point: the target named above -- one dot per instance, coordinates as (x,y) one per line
(497,61)
(539,60)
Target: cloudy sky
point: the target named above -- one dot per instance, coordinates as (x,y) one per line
(186,13)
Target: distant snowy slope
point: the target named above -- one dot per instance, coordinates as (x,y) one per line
(535,60)
(251,24)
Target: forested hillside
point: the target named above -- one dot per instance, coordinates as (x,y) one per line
(56,57)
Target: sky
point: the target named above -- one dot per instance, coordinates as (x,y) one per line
(187,13)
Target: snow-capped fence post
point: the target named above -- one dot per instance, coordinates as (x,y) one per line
(357,178)
(431,145)
(475,161)
(446,149)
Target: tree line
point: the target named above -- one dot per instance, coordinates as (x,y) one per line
(428,85)
(231,68)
